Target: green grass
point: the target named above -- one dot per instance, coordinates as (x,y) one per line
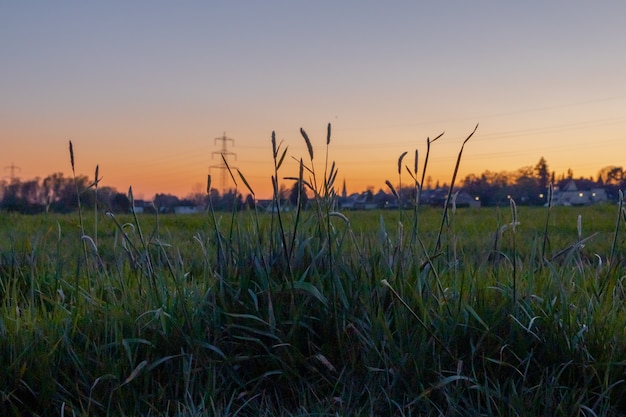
(314,312)
(180,327)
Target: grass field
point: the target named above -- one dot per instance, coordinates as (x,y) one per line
(423,312)
(230,314)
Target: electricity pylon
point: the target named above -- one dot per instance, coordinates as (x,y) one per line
(224,154)
(12,168)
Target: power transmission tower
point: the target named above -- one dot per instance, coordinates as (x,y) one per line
(224,155)
(12,168)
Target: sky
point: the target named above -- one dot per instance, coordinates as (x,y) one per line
(145,89)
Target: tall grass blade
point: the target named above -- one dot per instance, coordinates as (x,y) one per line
(245,182)
(428,143)
(226,164)
(95,205)
(452,182)
(620,209)
(547,224)
(80,215)
(418,318)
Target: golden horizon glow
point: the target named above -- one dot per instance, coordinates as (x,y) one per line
(182,172)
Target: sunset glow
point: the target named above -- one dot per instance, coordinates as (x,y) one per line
(143,89)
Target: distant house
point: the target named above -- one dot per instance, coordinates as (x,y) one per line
(348,202)
(363,201)
(434,197)
(464,199)
(140,206)
(186,209)
(570,195)
(271,206)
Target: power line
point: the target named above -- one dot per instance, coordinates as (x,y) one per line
(224,154)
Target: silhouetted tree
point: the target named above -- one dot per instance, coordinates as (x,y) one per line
(120,203)
(282,192)
(229,201)
(214,195)
(165,203)
(526,187)
(543,173)
(250,203)
(298,190)
(612,175)
(11,200)
(479,186)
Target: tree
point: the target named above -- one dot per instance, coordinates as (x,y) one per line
(120,203)
(543,173)
(479,186)
(429,182)
(165,203)
(231,200)
(298,191)
(11,199)
(249,202)
(526,189)
(612,175)
(30,191)
(214,195)
(282,192)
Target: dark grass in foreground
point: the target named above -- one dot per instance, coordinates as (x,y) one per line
(315,312)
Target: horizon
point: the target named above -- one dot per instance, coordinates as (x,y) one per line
(143,90)
(407,183)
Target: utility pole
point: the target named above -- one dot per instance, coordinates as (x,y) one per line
(225,154)
(12,168)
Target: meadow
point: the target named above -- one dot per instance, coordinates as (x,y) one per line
(415,312)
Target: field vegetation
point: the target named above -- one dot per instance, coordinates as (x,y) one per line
(415,312)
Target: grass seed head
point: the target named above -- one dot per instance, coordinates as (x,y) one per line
(274,150)
(245,182)
(400,161)
(514,220)
(393,190)
(72,155)
(308,143)
(328,135)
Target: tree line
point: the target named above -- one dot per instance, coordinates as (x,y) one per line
(528,185)
(57,193)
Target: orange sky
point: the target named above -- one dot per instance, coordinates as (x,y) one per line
(143,90)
